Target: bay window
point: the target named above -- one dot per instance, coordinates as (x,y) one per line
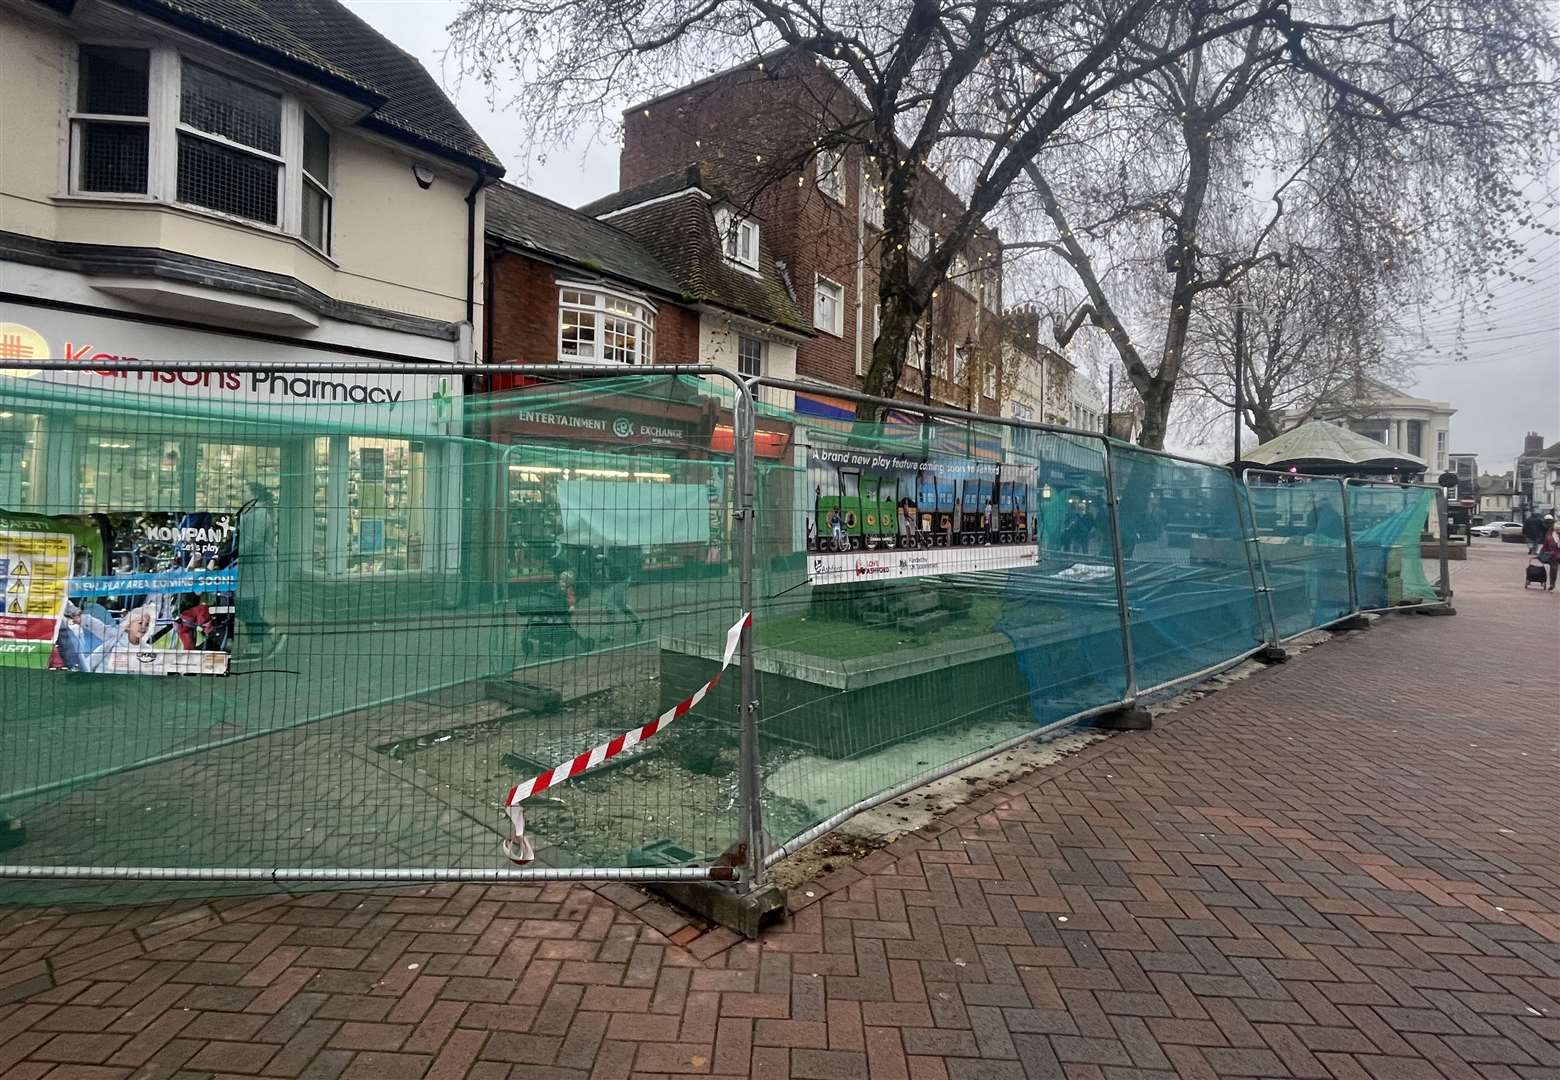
(602,327)
(149,122)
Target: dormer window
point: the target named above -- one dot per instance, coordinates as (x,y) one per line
(738,238)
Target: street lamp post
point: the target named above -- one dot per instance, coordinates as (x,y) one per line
(1240,351)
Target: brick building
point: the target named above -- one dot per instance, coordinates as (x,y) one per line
(745,140)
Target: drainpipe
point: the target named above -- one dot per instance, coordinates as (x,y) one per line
(471,254)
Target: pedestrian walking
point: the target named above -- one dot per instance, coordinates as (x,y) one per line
(258,579)
(1549,550)
(622,564)
(1533,529)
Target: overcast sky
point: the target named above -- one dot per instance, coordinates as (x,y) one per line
(1509,385)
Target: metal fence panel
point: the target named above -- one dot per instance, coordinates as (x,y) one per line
(1006,621)
(436,598)
(1387,524)
(1189,577)
(1303,544)
(388,601)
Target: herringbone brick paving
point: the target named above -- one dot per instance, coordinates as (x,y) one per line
(1343,867)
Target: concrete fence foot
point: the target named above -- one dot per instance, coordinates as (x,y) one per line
(13,833)
(1272,654)
(1353,622)
(1126,718)
(726,904)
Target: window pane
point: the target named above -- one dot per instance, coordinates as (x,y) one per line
(620,340)
(112,81)
(316,217)
(750,355)
(230,181)
(316,150)
(578,335)
(229,108)
(113,157)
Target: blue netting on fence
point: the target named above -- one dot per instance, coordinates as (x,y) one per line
(1189,577)
(1299,522)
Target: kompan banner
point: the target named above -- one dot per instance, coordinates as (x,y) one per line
(884,515)
(125,593)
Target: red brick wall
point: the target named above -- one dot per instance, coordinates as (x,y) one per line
(735,128)
(523,314)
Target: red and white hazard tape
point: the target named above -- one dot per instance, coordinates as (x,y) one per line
(518,847)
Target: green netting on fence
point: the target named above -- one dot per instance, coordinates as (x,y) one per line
(1304,553)
(1387,522)
(325,624)
(435,599)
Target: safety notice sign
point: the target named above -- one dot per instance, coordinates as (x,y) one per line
(34,577)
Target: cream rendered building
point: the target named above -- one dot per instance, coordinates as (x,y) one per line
(177,183)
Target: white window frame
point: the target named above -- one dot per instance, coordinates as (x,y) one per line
(729,226)
(829,173)
(989,382)
(164,84)
(598,308)
(763,355)
(822,283)
(871,199)
(326,186)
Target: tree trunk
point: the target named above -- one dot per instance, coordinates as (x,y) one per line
(1157,396)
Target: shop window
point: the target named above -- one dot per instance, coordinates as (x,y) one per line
(19,456)
(371,506)
(123,471)
(750,355)
(831,173)
(829,305)
(231,147)
(601,327)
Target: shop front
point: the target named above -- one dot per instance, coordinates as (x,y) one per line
(589,473)
(360,470)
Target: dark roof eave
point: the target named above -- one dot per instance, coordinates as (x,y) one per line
(493,170)
(796,329)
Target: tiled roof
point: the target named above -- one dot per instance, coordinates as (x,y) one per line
(322,41)
(681,233)
(660,187)
(526,220)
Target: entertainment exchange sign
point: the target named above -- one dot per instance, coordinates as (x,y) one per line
(882,516)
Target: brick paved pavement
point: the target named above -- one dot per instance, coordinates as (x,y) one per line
(1344,867)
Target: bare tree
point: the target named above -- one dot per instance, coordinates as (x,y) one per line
(1073,95)
(1310,338)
